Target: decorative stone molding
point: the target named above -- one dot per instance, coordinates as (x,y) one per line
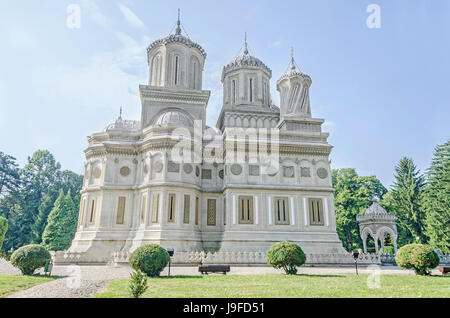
(158,166)
(187,168)
(322,173)
(288,172)
(125,171)
(305,172)
(236,169)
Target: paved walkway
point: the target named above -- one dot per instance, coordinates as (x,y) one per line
(85,281)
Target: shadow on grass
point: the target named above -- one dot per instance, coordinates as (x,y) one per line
(178,276)
(312,275)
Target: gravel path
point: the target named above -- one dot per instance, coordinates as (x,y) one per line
(75,282)
(84,281)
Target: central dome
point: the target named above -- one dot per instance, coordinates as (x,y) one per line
(246,60)
(174,118)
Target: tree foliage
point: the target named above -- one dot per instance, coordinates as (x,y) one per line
(9,174)
(28,205)
(407,192)
(3,230)
(351,198)
(61,224)
(437,199)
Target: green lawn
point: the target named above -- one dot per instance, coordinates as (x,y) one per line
(273,285)
(13,283)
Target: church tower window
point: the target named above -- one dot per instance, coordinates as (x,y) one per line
(171,209)
(91,217)
(245,210)
(251,90)
(177,61)
(196,210)
(120,218)
(281,211)
(155,208)
(143,208)
(233,91)
(211,212)
(187,208)
(315,212)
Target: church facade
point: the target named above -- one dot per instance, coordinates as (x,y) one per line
(261,176)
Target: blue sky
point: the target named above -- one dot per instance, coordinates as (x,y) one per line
(384,93)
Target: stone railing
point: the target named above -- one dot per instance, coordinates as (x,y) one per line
(255,258)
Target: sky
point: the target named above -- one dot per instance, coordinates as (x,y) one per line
(384,92)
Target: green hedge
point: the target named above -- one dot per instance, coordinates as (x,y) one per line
(286,255)
(28,258)
(418,257)
(150,259)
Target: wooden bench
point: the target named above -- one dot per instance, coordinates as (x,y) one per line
(205,269)
(444,270)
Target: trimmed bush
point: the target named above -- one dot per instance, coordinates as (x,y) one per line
(150,259)
(3,229)
(286,255)
(418,257)
(28,258)
(137,284)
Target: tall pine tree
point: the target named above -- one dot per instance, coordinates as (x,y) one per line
(61,224)
(437,199)
(407,193)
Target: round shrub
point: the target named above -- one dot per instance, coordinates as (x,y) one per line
(286,255)
(28,258)
(418,257)
(150,259)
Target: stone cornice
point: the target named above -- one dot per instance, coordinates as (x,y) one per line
(166,95)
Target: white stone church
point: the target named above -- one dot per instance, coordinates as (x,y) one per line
(261,176)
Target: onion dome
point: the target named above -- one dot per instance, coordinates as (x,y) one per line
(246,61)
(173,118)
(122,124)
(375,211)
(179,38)
(293,71)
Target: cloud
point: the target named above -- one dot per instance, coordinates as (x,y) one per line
(275,43)
(131,17)
(94,12)
(107,81)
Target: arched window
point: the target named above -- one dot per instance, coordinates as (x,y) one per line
(176,70)
(156,70)
(251,90)
(233,91)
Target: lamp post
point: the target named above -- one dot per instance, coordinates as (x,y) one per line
(170,251)
(355,255)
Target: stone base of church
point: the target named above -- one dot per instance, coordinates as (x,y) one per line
(235,248)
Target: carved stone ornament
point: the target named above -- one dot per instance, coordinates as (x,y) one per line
(253,170)
(206,174)
(187,168)
(305,172)
(158,166)
(125,171)
(288,172)
(322,173)
(97,172)
(236,169)
(173,167)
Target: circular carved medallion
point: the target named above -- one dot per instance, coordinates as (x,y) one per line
(187,168)
(124,171)
(158,166)
(289,172)
(322,173)
(236,169)
(97,172)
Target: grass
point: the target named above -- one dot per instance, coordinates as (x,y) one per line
(12,283)
(272,285)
